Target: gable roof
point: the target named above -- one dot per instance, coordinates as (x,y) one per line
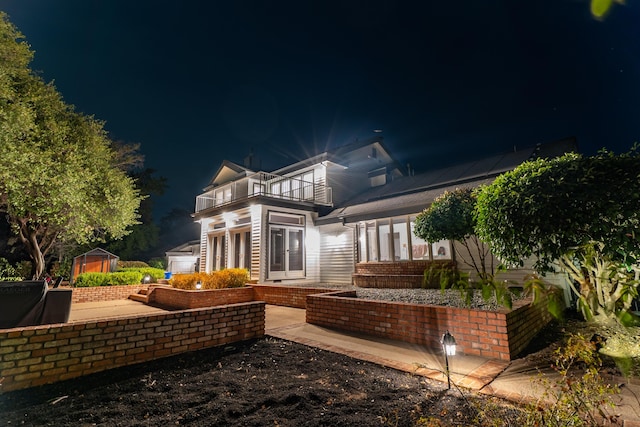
(411,194)
(228,171)
(367,154)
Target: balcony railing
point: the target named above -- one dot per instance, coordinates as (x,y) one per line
(268,185)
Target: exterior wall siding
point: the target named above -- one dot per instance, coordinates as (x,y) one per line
(336,254)
(256,243)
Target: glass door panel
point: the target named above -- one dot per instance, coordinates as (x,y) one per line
(295,250)
(277,249)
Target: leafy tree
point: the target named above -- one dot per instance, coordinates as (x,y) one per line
(59,175)
(579,213)
(451,217)
(143,240)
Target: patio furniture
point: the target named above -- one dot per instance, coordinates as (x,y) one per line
(29,302)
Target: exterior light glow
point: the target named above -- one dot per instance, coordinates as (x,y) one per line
(448,343)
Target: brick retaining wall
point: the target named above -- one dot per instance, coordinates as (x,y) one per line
(288,296)
(495,334)
(183,299)
(104,293)
(394,275)
(45,354)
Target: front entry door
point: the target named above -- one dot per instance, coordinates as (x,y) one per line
(286,252)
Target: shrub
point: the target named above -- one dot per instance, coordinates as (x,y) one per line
(117,278)
(155,273)
(132,264)
(228,278)
(85,280)
(579,396)
(158,263)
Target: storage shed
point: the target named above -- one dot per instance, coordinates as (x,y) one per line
(95,261)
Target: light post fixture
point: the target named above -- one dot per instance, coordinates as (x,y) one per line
(449,346)
(198,286)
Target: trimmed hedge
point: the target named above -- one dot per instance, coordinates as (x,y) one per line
(124,276)
(222,279)
(155,273)
(86,280)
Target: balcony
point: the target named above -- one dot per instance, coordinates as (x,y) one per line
(266,185)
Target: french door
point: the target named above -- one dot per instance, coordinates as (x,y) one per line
(217,246)
(286,252)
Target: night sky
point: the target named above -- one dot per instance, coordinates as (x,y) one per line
(197,82)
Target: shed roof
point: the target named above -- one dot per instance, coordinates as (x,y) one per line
(98,252)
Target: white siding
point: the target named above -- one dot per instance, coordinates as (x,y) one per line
(336,254)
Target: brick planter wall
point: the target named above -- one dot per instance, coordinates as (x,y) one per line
(499,335)
(183,299)
(46,354)
(396,275)
(104,293)
(288,296)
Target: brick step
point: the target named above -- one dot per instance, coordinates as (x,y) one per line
(140,297)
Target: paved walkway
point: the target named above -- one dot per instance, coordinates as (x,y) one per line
(511,380)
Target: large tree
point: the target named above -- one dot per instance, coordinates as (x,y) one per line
(579,213)
(60,176)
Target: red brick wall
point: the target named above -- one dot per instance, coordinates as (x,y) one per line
(395,268)
(104,293)
(498,335)
(288,296)
(183,299)
(395,275)
(46,354)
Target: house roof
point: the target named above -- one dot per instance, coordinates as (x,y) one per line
(411,194)
(191,247)
(228,171)
(367,154)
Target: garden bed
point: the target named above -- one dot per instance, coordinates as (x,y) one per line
(500,334)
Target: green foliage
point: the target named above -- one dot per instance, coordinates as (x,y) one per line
(60,179)
(541,291)
(222,279)
(449,217)
(579,396)
(158,263)
(108,279)
(600,8)
(132,264)
(440,275)
(452,217)
(578,213)
(8,272)
(155,273)
(85,280)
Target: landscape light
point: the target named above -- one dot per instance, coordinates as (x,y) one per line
(449,346)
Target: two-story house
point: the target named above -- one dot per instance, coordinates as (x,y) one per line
(316,220)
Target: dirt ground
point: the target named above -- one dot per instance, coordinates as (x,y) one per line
(268,382)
